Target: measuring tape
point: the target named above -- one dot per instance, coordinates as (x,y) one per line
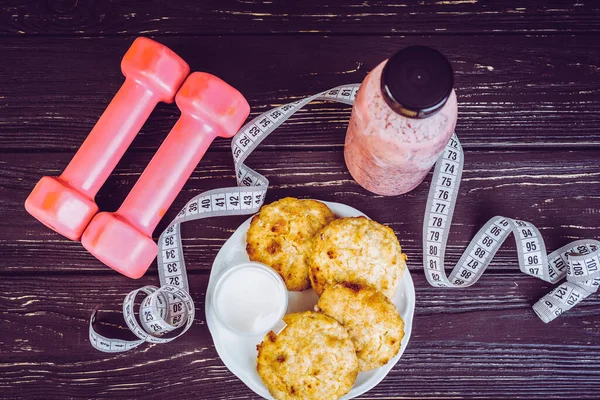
(171,308)
(578,261)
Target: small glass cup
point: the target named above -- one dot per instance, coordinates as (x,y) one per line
(250,299)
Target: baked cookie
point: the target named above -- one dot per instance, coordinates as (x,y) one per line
(311,358)
(281,236)
(372,321)
(357,250)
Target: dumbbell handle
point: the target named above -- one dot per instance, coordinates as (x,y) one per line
(110,137)
(167,172)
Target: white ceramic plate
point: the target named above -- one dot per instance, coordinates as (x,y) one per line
(239,352)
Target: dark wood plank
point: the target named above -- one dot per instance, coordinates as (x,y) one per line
(519,92)
(555,190)
(89,17)
(525,101)
(481,341)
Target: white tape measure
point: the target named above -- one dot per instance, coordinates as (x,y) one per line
(578,261)
(170,307)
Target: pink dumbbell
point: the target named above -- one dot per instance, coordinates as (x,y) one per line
(66,203)
(122,240)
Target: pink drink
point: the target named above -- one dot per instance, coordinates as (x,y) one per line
(401,124)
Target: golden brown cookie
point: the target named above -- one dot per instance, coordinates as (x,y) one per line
(311,358)
(281,236)
(373,322)
(357,250)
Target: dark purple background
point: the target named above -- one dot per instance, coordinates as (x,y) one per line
(528,84)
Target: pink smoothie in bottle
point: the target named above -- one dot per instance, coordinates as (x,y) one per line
(403,116)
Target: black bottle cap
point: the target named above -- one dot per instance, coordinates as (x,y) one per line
(417,81)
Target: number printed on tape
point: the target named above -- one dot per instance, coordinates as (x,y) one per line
(233,201)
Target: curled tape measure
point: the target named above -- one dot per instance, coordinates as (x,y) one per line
(578,261)
(170,307)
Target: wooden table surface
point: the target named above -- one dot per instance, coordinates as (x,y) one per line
(528,85)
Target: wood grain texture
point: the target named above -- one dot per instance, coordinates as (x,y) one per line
(482,341)
(523,92)
(528,84)
(88,17)
(555,190)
